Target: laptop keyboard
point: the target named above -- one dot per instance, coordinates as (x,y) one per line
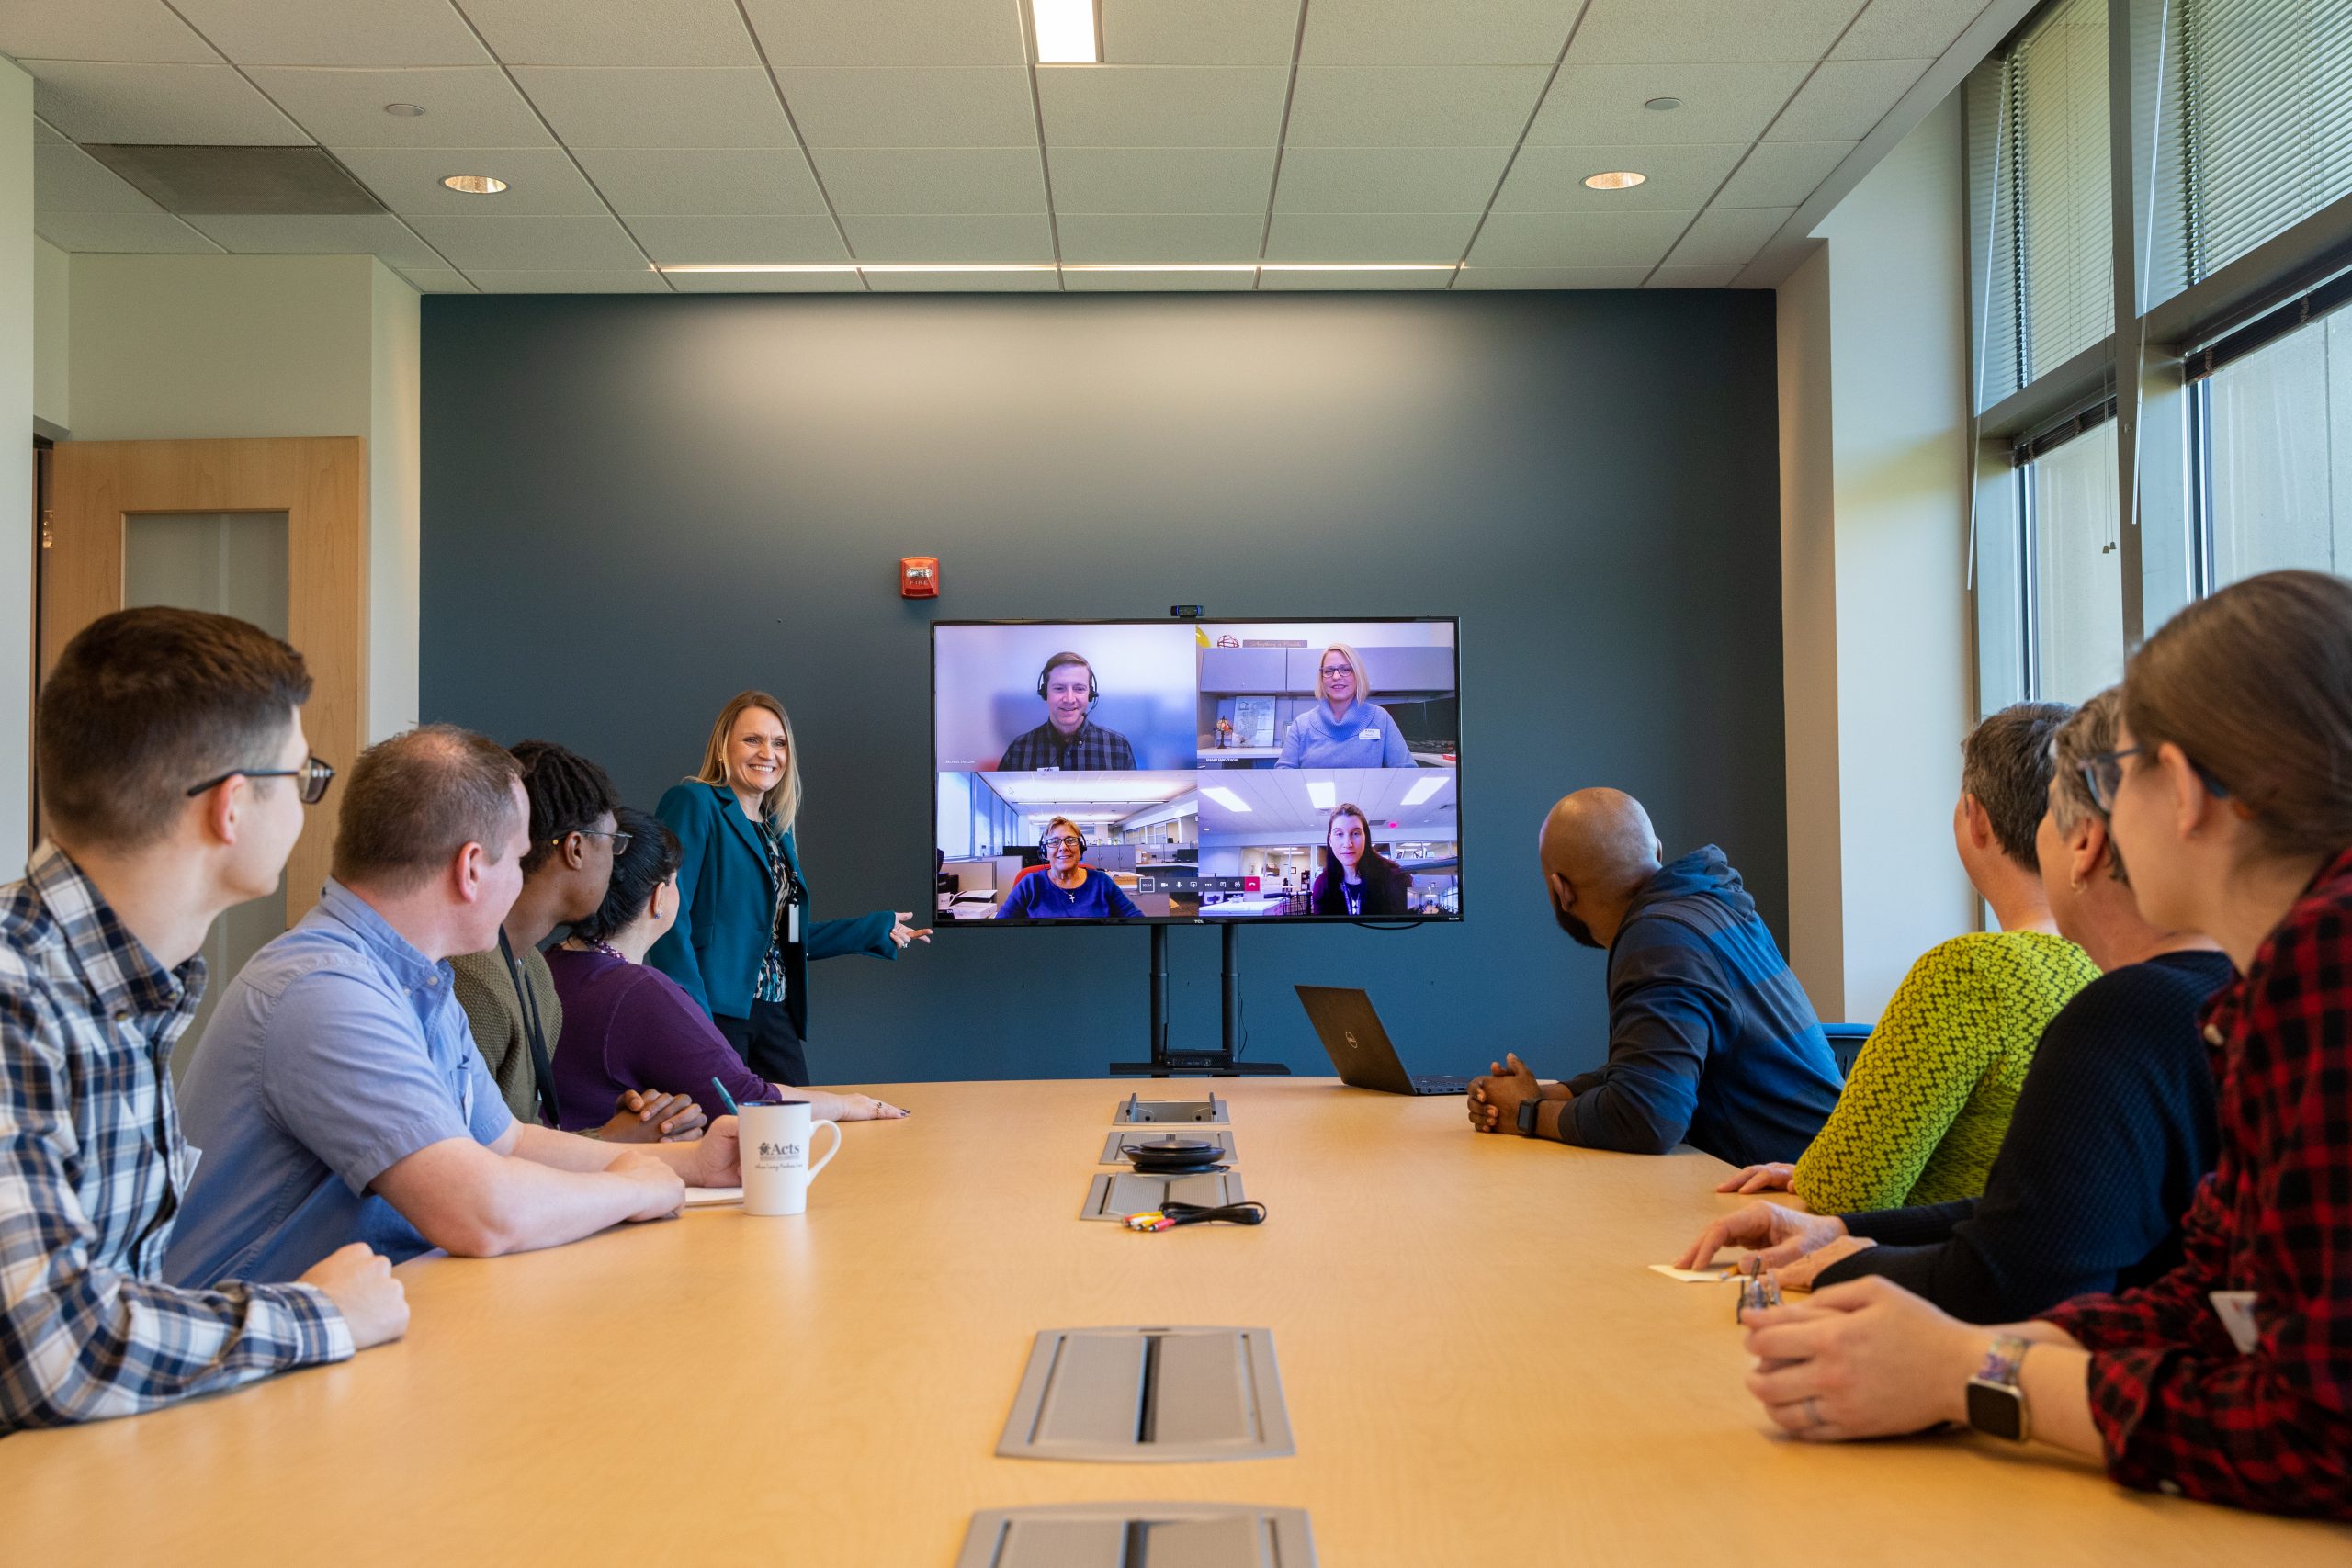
(1424,1084)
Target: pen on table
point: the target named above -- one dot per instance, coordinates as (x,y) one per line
(724,1098)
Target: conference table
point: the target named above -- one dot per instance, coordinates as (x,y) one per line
(1478,1367)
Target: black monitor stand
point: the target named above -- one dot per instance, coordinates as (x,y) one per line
(1217,1064)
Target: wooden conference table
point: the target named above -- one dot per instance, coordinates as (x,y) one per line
(1478,1370)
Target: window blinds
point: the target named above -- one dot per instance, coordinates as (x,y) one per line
(2267,113)
(2062,212)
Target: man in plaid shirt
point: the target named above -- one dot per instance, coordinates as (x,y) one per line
(1068,740)
(174,771)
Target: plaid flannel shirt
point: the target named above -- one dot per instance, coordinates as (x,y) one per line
(92,1170)
(2180,1410)
(1091,748)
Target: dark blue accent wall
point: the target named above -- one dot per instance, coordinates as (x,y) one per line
(635,507)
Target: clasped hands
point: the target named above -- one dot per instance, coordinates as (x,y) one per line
(1496,1095)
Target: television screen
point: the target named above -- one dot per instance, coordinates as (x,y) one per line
(1197,771)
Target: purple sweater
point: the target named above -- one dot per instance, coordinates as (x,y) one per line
(631,1026)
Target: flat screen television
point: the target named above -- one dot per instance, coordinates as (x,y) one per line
(1197,771)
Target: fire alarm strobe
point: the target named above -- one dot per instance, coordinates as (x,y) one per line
(919,577)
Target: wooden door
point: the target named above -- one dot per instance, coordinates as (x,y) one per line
(319,483)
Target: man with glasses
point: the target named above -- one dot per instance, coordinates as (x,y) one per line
(508,993)
(173,773)
(1069,739)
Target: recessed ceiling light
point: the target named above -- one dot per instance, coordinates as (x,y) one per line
(1226,798)
(1424,788)
(405,111)
(1323,794)
(488,185)
(1615,179)
(1066,34)
(1662,105)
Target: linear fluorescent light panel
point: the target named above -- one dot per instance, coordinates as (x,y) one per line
(1423,790)
(1066,32)
(1226,798)
(1323,794)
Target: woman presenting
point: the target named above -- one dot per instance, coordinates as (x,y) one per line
(1065,890)
(1357,879)
(743,938)
(1346,730)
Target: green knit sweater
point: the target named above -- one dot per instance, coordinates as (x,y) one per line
(1928,1101)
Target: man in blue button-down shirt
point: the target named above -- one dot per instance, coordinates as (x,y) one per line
(338,1093)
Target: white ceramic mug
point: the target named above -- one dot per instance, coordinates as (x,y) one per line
(775,1140)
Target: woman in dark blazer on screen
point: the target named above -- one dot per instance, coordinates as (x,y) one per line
(1357,879)
(744,935)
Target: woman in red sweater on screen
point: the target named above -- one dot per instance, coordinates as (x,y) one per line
(2229,1378)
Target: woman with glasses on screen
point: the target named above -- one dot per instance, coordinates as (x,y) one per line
(1063,888)
(1346,730)
(1357,879)
(744,936)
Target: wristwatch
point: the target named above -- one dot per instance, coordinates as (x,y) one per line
(1995,1403)
(1527,1112)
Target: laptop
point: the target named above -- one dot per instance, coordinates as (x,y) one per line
(1359,1047)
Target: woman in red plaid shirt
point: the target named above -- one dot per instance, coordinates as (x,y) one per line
(2230,1378)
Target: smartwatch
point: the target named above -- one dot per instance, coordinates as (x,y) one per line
(1995,1403)
(1527,1112)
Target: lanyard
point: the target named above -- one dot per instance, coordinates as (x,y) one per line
(534,1032)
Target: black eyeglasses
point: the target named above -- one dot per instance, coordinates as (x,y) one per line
(2103,775)
(1061,841)
(620,841)
(315,776)
(1338,670)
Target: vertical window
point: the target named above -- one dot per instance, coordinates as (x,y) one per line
(2277,427)
(2074,567)
(2061,216)
(2265,119)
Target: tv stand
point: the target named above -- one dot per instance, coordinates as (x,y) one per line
(1217,1064)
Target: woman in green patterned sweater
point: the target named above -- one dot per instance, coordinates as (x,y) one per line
(1929,1100)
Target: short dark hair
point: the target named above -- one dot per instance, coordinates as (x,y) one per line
(567,793)
(2004,765)
(144,703)
(413,801)
(651,856)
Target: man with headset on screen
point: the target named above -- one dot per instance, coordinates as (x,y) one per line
(1068,739)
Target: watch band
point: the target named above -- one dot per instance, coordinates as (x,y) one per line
(1529,1109)
(2002,1359)
(1995,1403)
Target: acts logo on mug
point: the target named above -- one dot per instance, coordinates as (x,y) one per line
(777,1172)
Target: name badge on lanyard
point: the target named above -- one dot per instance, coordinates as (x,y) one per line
(792,922)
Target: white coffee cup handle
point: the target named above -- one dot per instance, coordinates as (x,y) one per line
(829,1153)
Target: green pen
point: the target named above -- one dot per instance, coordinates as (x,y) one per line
(724,1098)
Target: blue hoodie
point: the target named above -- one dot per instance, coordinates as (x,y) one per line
(1366,738)
(1710,1039)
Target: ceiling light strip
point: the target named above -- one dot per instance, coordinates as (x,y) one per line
(1066,32)
(1049,266)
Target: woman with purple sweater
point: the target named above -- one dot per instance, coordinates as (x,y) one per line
(626,1023)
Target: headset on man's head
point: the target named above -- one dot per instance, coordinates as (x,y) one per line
(1056,662)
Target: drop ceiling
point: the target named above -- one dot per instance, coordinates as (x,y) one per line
(639,134)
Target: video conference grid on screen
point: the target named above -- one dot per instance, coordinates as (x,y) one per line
(1196,769)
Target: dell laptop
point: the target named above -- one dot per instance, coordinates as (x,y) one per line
(1359,1047)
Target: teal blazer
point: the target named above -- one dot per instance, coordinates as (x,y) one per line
(727,910)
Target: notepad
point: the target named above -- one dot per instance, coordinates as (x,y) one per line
(1688,1276)
(711,1197)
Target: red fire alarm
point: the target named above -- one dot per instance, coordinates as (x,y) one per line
(917,577)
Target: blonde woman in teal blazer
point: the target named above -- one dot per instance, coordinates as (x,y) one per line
(744,935)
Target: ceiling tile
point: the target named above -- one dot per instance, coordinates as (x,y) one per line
(710,180)
(771,240)
(336,32)
(994,237)
(1728,236)
(1592,104)
(910,180)
(100,29)
(904,32)
(1370,236)
(1845,99)
(437,280)
(335,236)
(97,232)
(1144,105)
(66,179)
(1457,33)
(767,283)
(571,282)
(1551,179)
(1199,32)
(1782,174)
(1157,282)
(1162,179)
(1382,282)
(1389,179)
(1434,105)
(662,106)
(963,282)
(1704,31)
(408,179)
(614,32)
(532,244)
(1552,277)
(1906,30)
(1692,277)
(173,105)
(464,106)
(1577,239)
(896,106)
(1161,236)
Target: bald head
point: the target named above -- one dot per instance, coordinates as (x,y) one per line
(1597,850)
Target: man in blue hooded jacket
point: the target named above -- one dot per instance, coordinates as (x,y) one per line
(1711,1039)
